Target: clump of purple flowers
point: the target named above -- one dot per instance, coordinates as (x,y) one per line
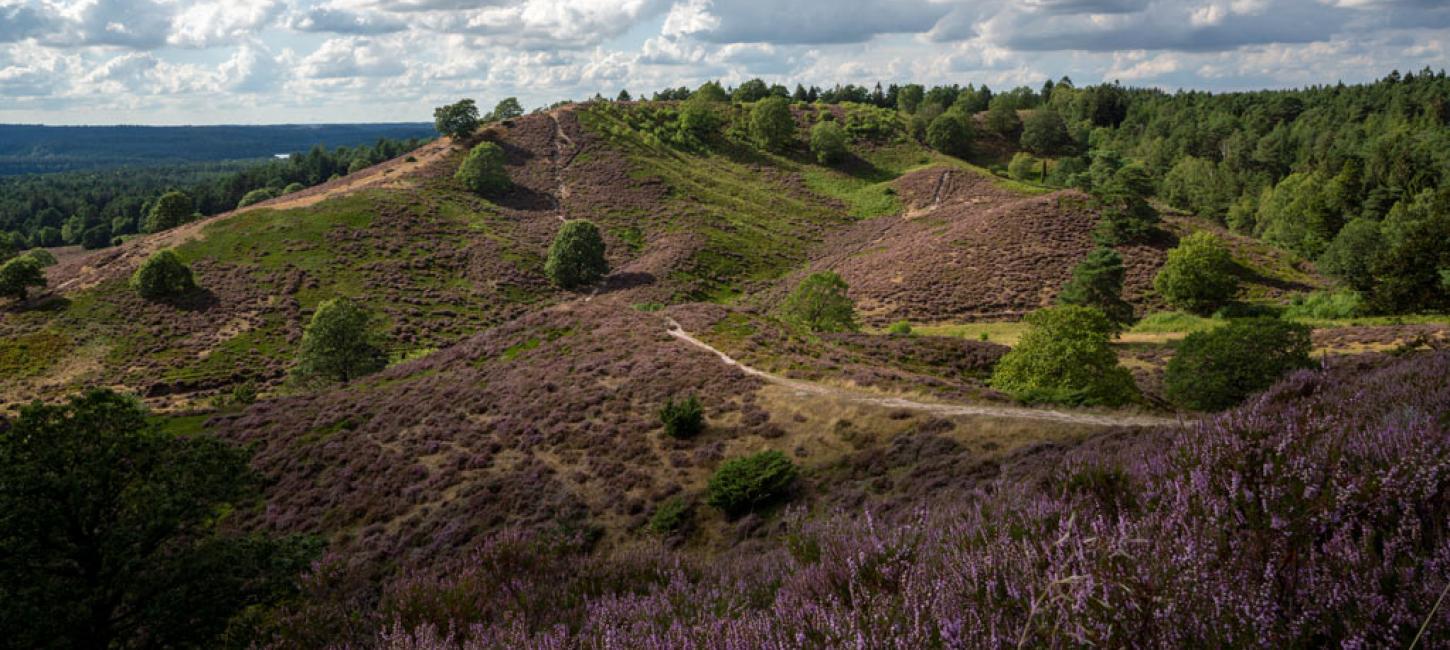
(1314,515)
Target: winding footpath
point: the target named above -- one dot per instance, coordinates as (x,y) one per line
(935,408)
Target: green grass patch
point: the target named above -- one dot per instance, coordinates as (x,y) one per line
(181,425)
(29,355)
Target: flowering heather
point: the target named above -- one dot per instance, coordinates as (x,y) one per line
(1314,515)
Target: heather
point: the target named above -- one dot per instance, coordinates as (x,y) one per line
(1314,515)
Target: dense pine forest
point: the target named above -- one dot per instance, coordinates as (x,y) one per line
(47,210)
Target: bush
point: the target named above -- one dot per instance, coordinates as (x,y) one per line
(673,516)
(96,237)
(699,122)
(162,276)
(1064,357)
(950,134)
(293,187)
(507,108)
(483,171)
(771,125)
(576,258)
(828,142)
(741,484)
(1098,282)
(169,211)
(1198,275)
(19,274)
(41,257)
(682,419)
(820,303)
(1216,369)
(899,328)
(1023,166)
(1325,305)
(457,120)
(256,196)
(339,344)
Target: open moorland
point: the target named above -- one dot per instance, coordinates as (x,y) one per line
(873,393)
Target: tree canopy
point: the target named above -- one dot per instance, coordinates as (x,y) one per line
(339,343)
(576,257)
(112,535)
(820,303)
(457,120)
(1064,357)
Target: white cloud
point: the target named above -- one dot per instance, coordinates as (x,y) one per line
(340,58)
(224,21)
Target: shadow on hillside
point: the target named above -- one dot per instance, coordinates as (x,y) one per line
(199,299)
(624,281)
(1248,275)
(525,199)
(513,154)
(858,167)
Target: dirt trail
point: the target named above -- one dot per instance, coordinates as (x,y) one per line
(936,408)
(562,160)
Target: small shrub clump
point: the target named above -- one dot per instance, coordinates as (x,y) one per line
(1064,357)
(899,328)
(673,516)
(162,276)
(19,274)
(1198,276)
(683,418)
(1216,369)
(483,171)
(828,142)
(741,484)
(576,258)
(256,196)
(820,303)
(1344,303)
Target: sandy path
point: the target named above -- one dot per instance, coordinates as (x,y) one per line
(936,408)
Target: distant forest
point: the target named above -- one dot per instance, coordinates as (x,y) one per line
(94,207)
(33,149)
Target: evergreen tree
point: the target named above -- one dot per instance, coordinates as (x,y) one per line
(1098,282)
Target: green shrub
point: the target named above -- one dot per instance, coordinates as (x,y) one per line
(828,142)
(1002,118)
(1216,369)
(162,276)
(298,187)
(673,516)
(169,211)
(771,125)
(41,257)
(19,274)
(741,484)
(1198,275)
(1023,167)
(899,328)
(820,303)
(256,196)
(576,258)
(483,171)
(96,237)
(339,343)
(1064,357)
(683,418)
(699,121)
(950,134)
(1325,305)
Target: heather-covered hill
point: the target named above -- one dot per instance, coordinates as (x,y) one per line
(438,263)
(1313,513)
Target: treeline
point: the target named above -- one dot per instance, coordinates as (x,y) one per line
(1353,178)
(35,149)
(94,208)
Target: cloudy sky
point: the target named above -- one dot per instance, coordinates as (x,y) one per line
(270,61)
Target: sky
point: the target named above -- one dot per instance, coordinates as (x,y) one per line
(300,61)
